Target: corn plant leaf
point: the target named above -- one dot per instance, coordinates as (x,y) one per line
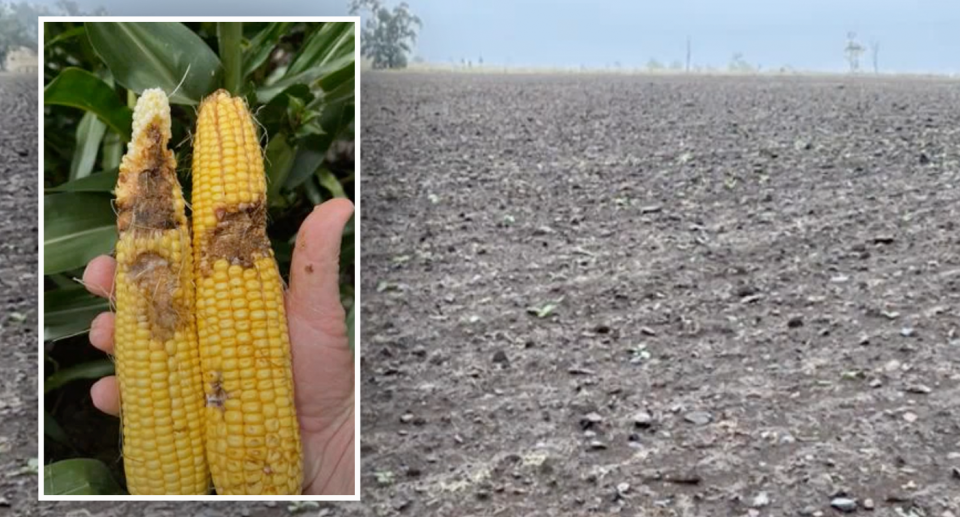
(77,228)
(346,296)
(313,193)
(341,92)
(279,160)
(310,155)
(79,476)
(101,181)
(52,429)
(275,115)
(332,42)
(308,76)
(90,133)
(112,151)
(283,253)
(68,312)
(336,120)
(62,281)
(261,45)
(145,55)
(337,86)
(81,89)
(63,36)
(330,183)
(82,371)
(334,99)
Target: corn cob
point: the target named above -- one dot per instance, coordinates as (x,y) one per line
(252,435)
(157,358)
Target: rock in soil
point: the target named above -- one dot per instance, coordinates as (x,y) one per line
(844,504)
(698,417)
(642,419)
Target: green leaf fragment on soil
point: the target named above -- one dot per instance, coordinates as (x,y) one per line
(852,375)
(384,477)
(387,286)
(544,310)
(302,506)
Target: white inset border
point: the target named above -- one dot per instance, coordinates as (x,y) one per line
(356,247)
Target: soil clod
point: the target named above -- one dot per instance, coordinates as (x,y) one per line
(844,504)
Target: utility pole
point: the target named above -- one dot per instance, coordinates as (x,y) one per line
(688,54)
(874,56)
(853,51)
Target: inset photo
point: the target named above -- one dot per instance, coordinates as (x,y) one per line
(199,258)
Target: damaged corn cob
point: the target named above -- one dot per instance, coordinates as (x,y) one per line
(252,434)
(157,358)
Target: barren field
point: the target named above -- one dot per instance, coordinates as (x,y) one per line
(660,296)
(754,283)
(18,293)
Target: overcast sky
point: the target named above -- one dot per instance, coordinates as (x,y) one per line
(218,7)
(914,35)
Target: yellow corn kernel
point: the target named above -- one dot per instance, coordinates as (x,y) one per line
(242,346)
(157,357)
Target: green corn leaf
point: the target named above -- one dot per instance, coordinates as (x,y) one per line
(69,311)
(81,89)
(165,55)
(90,133)
(80,476)
(77,228)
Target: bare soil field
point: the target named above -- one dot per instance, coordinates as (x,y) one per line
(754,283)
(660,296)
(18,293)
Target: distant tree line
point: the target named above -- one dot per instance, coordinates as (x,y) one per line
(18,23)
(388,36)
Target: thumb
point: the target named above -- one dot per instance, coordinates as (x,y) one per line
(314,296)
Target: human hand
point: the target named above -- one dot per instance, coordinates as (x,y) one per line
(322,360)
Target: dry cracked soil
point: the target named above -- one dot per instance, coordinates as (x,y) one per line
(650,296)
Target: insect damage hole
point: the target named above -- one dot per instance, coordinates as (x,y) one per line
(217,395)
